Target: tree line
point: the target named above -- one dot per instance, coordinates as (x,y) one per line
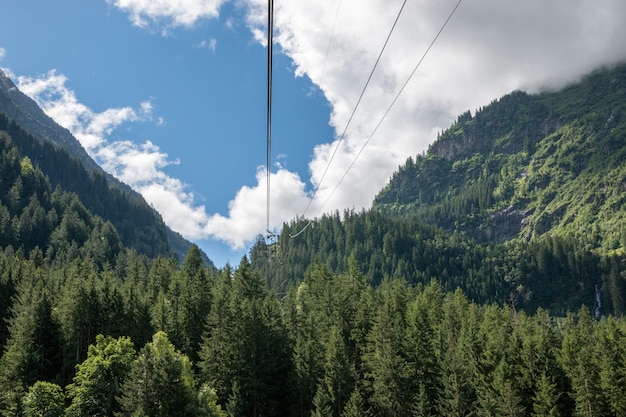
(557,273)
(137,224)
(361,315)
(160,338)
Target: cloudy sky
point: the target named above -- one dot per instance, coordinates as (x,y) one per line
(170,95)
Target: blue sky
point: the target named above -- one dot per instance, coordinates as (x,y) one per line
(170,95)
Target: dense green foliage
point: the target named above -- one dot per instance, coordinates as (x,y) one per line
(334,346)
(363,314)
(523,203)
(556,273)
(23,184)
(526,166)
(99,378)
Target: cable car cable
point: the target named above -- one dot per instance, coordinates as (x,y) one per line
(270,36)
(343,134)
(384,115)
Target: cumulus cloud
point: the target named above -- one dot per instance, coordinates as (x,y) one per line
(246,212)
(168,14)
(60,103)
(141,166)
(138,165)
(3,53)
(489,48)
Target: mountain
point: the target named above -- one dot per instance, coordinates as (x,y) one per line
(522,203)
(363,316)
(526,165)
(59,155)
(27,114)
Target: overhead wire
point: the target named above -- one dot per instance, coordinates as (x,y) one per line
(356,106)
(382,118)
(391,105)
(270,41)
(330,42)
(343,134)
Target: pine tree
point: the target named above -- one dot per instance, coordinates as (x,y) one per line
(218,348)
(546,398)
(322,403)
(356,406)
(580,362)
(337,384)
(498,389)
(457,334)
(457,395)
(195,301)
(542,377)
(388,372)
(612,358)
(509,403)
(307,350)
(246,345)
(33,349)
(421,356)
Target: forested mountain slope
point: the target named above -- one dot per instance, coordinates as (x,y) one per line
(526,165)
(27,114)
(62,159)
(522,203)
(363,317)
(138,224)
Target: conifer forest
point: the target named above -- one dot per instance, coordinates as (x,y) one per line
(487,279)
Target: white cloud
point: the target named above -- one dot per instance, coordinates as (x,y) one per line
(3,53)
(146,108)
(60,103)
(176,206)
(140,166)
(211,44)
(247,214)
(168,14)
(489,48)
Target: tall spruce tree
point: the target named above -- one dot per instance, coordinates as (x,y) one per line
(33,349)
(612,363)
(387,369)
(420,342)
(579,356)
(245,352)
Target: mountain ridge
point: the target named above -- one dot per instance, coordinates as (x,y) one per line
(26,114)
(522,203)
(29,115)
(514,164)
